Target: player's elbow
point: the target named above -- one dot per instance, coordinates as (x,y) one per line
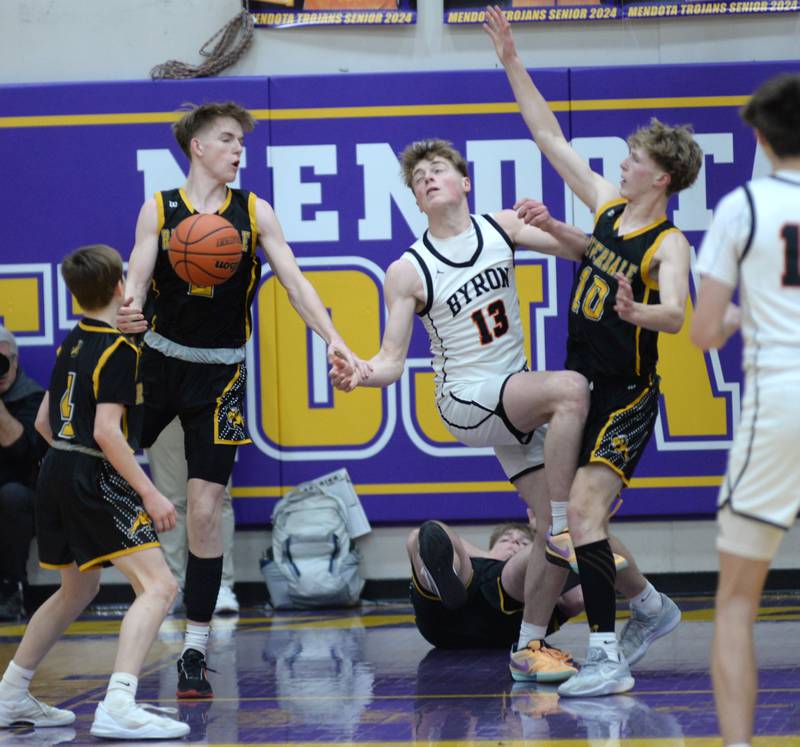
(703,337)
(674,319)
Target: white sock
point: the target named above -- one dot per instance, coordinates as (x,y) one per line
(15,682)
(196,637)
(530,632)
(648,602)
(121,691)
(739,744)
(558,516)
(607,642)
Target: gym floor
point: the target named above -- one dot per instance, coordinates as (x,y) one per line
(367,677)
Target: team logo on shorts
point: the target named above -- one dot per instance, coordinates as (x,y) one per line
(140,523)
(620,445)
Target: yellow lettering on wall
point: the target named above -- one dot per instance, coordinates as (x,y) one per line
(19,304)
(287,416)
(692,408)
(530,287)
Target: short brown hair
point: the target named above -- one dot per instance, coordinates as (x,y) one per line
(429,149)
(673,149)
(774,110)
(509,526)
(200,117)
(91,274)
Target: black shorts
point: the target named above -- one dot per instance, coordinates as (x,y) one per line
(87,513)
(490,618)
(622,416)
(208,398)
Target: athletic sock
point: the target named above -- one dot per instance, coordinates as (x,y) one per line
(15,682)
(598,578)
(607,642)
(203,579)
(121,693)
(196,637)
(558,516)
(648,601)
(530,632)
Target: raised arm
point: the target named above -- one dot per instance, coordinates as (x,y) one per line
(304,298)
(673,287)
(141,264)
(403,292)
(530,225)
(592,189)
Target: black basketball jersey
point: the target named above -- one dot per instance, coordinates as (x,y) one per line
(96,363)
(599,342)
(215,316)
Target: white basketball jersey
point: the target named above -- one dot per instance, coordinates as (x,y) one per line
(754,242)
(472,308)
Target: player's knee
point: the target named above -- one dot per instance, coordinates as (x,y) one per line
(575,392)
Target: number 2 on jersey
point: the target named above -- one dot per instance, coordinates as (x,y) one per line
(497,311)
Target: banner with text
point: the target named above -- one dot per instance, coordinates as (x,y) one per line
(540,11)
(324,154)
(293,13)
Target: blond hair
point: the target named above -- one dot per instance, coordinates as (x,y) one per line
(673,149)
(429,149)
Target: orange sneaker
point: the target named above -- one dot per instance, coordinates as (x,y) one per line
(560,551)
(538,662)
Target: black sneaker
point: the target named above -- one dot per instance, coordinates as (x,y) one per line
(437,553)
(192,681)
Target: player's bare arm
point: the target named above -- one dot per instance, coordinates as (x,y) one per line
(142,262)
(530,225)
(671,264)
(716,317)
(404,295)
(42,422)
(115,448)
(304,298)
(592,189)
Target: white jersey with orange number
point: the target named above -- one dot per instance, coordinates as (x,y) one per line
(471,311)
(754,242)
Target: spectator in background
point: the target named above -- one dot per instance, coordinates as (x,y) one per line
(167,458)
(21,449)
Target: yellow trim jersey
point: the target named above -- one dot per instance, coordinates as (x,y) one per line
(599,342)
(95,364)
(209,316)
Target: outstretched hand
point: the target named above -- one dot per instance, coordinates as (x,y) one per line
(534,213)
(623,302)
(499,30)
(130,319)
(347,369)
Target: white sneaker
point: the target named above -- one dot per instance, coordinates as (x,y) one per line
(641,630)
(227,603)
(138,722)
(598,676)
(28,710)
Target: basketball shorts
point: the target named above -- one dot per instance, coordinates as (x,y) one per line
(474,414)
(490,618)
(208,398)
(87,513)
(622,416)
(762,481)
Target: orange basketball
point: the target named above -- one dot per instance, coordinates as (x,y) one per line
(205,249)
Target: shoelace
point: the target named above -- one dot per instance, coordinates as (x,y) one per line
(556,653)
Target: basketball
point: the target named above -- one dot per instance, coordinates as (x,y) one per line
(205,249)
